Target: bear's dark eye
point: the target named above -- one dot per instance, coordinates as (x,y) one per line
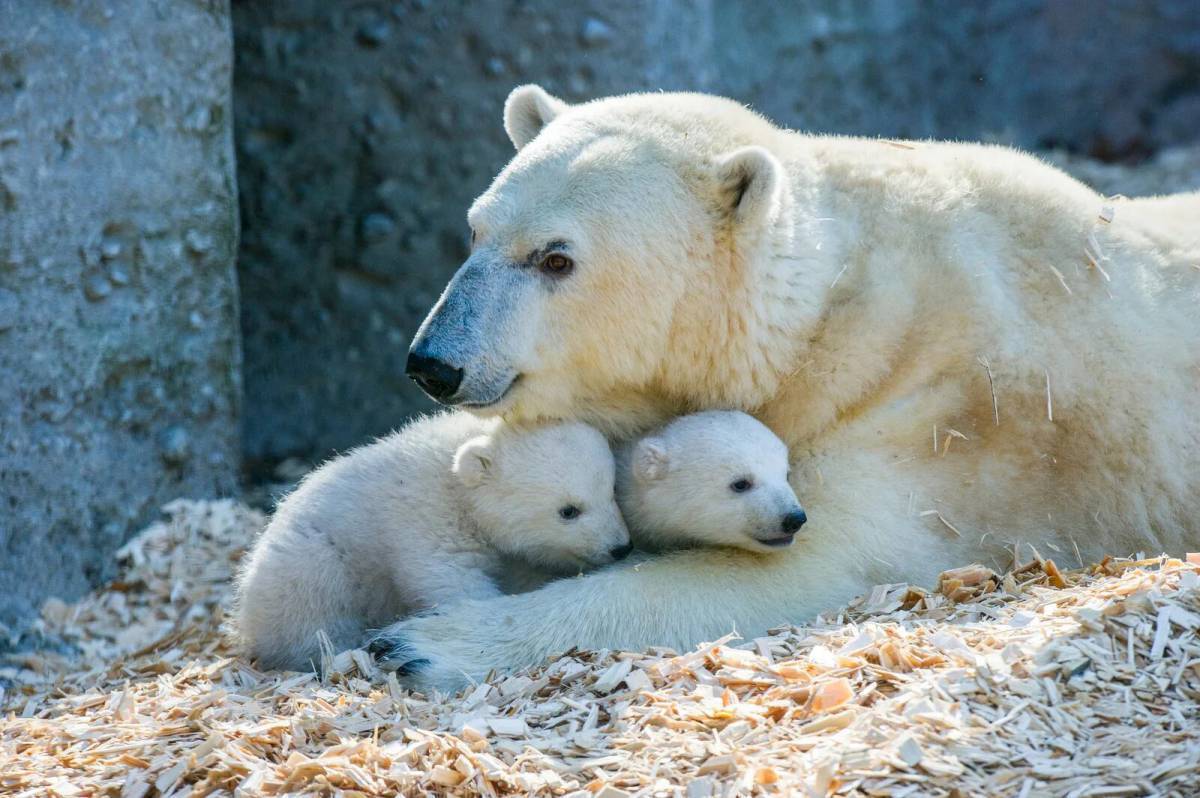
(557,264)
(569,512)
(474,236)
(741,485)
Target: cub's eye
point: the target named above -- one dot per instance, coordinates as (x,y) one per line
(741,485)
(557,264)
(569,512)
(474,236)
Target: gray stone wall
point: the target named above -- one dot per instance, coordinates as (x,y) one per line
(1105,78)
(119,353)
(365,130)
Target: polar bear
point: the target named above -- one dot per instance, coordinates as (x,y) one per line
(715,478)
(964,348)
(435,512)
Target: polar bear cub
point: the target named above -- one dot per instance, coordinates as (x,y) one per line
(433,513)
(717,478)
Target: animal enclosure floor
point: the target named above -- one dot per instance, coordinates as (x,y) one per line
(1034,683)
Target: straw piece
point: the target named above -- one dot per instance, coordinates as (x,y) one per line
(983,361)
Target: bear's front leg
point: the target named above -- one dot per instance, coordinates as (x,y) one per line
(678,600)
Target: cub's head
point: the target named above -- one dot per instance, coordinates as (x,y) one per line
(607,257)
(717,478)
(545,495)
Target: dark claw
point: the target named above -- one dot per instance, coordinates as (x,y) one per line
(412,667)
(379,646)
(392,653)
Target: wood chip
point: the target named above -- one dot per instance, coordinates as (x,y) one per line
(1038,681)
(1055,576)
(832,694)
(909,751)
(509,727)
(609,791)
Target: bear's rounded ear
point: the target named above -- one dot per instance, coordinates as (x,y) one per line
(473,461)
(750,183)
(527,110)
(650,459)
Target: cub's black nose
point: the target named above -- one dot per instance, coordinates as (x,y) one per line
(621,552)
(793,521)
(437,378)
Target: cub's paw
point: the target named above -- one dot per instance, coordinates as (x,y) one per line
(419,662)
(392,652)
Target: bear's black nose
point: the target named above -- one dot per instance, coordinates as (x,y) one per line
(436,377)
(621,552)
(793,521)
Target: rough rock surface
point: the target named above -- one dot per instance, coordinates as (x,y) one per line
(1109,80)
(365,130)
(1174,170)
(119,354)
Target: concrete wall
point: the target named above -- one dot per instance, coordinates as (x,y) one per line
(365,130)
(119,354)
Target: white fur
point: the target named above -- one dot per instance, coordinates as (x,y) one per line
(439,511)
(885,290)
(527,110)
(676,488)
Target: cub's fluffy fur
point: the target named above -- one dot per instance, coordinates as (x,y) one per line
(431,514)
(718,478)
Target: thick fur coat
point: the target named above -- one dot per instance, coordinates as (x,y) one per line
(955,328)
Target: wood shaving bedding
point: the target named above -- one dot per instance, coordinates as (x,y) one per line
(1035,682)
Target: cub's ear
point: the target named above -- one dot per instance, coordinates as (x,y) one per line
(650,460)
(527,110)
(473,462)
(750,183)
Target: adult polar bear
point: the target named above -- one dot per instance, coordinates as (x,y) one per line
(919,321)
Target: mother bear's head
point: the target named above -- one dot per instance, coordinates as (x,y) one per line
(623,266)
